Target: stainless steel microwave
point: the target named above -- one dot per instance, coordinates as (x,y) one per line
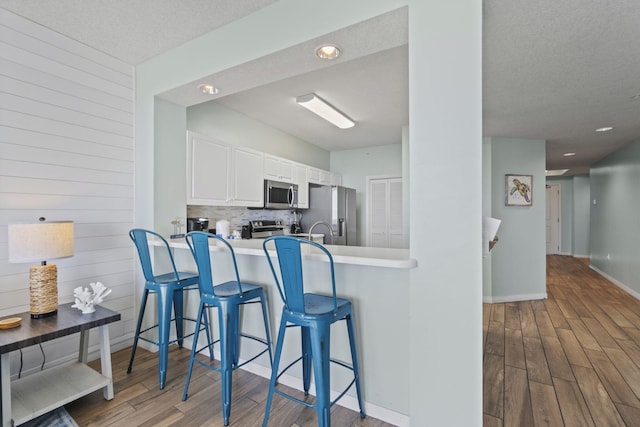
(280,195)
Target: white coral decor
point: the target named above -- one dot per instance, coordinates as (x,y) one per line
(86,299)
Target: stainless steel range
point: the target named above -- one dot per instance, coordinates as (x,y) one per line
(261,229)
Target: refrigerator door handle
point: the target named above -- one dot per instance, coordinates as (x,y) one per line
(341,225)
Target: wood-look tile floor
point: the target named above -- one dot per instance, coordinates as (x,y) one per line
(570,360)
(139,402)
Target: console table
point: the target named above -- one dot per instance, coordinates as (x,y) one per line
(43,391)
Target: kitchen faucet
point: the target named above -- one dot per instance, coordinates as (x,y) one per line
(326,225)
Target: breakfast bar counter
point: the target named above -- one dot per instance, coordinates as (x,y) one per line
(376,280)
(354,255)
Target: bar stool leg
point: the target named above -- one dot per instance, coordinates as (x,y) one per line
(354,362)
(306,358)
(178,309)
(274,369)
(228,318)
(266,329)
(164,318)
(194,348)
(143,305)
(320,344)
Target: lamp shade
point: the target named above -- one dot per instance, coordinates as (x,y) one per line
(40,241)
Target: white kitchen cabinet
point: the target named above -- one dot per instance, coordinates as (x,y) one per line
(325,177)
(208,171)
(278,169)
(247,182)
(336,179)
(322,177)
(303,186)
(220,174)
(313,175)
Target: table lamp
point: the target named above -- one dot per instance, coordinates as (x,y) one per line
(39,242)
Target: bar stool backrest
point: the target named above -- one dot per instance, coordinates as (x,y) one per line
(289,251)
(198,242)
(141,241)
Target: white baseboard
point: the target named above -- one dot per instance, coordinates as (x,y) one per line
(513,298)
(347,401)
(581,256)
(616,282)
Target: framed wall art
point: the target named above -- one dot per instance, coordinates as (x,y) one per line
(518,190)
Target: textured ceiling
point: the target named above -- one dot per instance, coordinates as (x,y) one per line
(133,30)
(551,70)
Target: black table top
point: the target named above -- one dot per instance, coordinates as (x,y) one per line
(66,322)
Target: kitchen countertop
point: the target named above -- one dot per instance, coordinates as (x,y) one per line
(354,255)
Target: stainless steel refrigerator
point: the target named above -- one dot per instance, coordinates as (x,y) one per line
(336,206)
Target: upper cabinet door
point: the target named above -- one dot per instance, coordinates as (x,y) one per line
(248,177)
(278,169)
(208,171)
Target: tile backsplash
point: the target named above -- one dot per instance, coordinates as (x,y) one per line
(237,216)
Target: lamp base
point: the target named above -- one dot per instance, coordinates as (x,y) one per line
(43,290)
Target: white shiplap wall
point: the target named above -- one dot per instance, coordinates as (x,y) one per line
(66,153)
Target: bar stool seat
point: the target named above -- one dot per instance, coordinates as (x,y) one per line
(314,314)
(227,298)
(169,289)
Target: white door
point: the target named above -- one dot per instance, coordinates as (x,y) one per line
(384,212)
(553,218)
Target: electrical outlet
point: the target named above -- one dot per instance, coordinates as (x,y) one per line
(608,256)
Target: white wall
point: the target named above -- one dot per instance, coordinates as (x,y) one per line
(66,153)
(356,165)
(445,64)
(581,215)
(518,269)
(615,229)
(170,158)
(445,143)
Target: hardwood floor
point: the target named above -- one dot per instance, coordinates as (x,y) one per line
(139,402)
(572,359)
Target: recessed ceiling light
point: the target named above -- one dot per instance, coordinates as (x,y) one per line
(569,154)
(208,89)
(328,51)
(604,129)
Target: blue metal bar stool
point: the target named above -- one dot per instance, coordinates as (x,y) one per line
(169,289)
(227,297)
(314,314)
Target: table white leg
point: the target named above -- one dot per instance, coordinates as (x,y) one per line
(105,360)
(5,379)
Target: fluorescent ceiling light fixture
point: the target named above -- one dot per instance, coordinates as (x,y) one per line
(569,154)
(556,172)
(604,129)
(328,51)
(317,105)
(208,89)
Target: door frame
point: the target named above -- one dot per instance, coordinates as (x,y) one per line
(558,187)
